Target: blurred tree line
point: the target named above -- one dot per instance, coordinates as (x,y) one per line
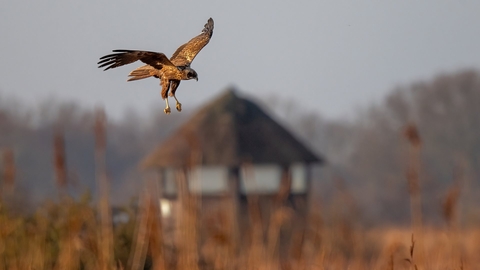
(366,153)
(369,152)
(29,132)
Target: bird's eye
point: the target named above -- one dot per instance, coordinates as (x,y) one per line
(190,74)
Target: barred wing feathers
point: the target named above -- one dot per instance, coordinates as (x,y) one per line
(185,54)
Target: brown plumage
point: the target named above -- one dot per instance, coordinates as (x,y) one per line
(169,71)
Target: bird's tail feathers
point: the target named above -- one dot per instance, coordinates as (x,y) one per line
(141,73)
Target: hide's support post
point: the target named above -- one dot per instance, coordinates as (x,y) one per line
(232,212)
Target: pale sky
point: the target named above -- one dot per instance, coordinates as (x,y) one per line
(331,56)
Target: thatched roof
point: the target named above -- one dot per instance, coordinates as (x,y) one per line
(230,131)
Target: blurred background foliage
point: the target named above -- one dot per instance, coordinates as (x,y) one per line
(367,151)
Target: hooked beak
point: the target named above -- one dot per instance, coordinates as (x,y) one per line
(196,79)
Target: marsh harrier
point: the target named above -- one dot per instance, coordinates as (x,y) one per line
(169,71)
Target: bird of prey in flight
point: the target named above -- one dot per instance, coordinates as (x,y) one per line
(169,71)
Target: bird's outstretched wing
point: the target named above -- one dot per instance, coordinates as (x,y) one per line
(124,57)
(185,54)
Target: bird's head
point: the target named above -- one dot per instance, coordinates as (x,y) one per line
(190,74)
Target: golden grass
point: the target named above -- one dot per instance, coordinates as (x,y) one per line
(64,235)
(79,234)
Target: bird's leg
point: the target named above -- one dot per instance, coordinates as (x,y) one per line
(178,105)
(165,86)
(173,87)
(167,108)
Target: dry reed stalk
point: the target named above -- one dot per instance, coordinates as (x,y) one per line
(277,219)
(313,237)
(187,227)
(280,214)
(155,227)
(216,250)
(298,250)
(186,233)
(141,234)
(68,258)
(391,264)
(313,229)
(148,234)
(225,237)
(59,160)
(389,254)
(39,247)
(412,135)
(256,251)
(9,170)
(449,211)
(413,172)
(106,235)
(449,206)
(411,261)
